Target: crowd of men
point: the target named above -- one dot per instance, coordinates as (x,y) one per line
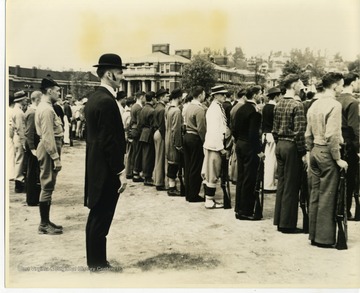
(175,142)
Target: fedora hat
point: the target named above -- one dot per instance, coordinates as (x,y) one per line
(19,96)
(48,82)
(274,90)
(160,92)
(110,60)
(219,89)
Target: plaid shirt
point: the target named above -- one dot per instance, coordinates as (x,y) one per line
(289,123)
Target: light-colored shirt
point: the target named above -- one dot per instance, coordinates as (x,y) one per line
(216,127)
(18,123)
(48,126)
(324,125)
(110,89)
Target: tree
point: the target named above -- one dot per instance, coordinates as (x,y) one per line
(199,72)
(78,85)
(354,66)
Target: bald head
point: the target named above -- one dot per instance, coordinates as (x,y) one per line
(35,97)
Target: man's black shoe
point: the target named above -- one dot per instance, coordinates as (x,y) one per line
(138,179)
(161,188)
(197,199)
(322,245)
(173,192)
(149,182)
(129,176)
(247,218)
(291,230)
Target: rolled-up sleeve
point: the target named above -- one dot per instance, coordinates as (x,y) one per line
(47,118)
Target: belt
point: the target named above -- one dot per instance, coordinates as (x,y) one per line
(57,138)
(192,132)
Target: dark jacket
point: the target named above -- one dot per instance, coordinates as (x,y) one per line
(247,125)
(159,119)
(105,146)
(145,121)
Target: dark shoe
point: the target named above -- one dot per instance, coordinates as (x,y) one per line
(19,186)
(173,192)
(161,188)
(138,179)
(322,245)
(32,204)
(247,218)
(59,227)
(48,229)
(149,182)
(129,176)
(197,199)
(291,230)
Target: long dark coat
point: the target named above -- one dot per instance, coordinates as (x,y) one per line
(105,146)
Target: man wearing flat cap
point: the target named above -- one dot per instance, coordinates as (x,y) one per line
(173,139)
(105,151)
(270,164)
(214,146)
(18,128)
(288,131)
(49,128)
(159,139)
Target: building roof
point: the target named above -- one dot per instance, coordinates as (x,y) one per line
(41,73)
(157,57)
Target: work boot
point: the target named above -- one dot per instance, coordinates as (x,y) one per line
(45,221)
(48,229)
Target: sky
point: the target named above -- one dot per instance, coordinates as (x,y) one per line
(66,34)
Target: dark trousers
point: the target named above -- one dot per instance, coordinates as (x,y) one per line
(148,159)
(137,156)
(193,160)
(352,174)
(247,162)
(98,225)
(33,187)
(129,158)
(289,181)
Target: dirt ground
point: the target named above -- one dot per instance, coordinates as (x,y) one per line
(161,241)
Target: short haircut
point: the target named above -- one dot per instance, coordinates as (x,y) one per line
(310,95)
(273,95)
(253,90)
(350,77)
(100,71)
(330,78)
(289,79)
(139,94)
(149,96)
(35,95)
(197,90)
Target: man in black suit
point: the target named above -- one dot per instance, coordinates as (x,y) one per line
(105,150)
(248,150)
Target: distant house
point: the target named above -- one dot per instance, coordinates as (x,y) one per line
(29,79)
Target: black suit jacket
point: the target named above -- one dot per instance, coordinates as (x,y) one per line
(145,120)
(105,147)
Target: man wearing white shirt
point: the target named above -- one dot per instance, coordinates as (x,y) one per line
(214,146)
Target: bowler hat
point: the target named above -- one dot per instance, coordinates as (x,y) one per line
(110,60)
(19,96)
(48,82)
(160,92)
(176,93)
(219,89)
(274,90)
